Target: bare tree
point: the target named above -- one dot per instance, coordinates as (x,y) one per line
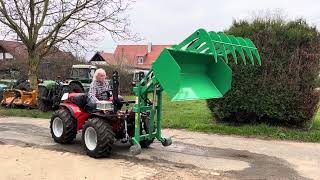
(43,25)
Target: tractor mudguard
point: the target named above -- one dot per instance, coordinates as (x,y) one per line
(69,107)
(48,84)
(77,113)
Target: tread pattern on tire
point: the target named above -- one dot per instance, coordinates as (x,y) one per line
(70,126)
(105,138)
(1,96)
(43,105)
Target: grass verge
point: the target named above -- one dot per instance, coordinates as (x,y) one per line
(195,116)
(34,113)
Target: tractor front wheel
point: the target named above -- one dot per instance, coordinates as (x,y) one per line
(97,138)
(63,127)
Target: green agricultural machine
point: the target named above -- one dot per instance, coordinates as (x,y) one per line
(51,91)
(192,70)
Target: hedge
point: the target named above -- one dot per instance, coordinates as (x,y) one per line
(282,90)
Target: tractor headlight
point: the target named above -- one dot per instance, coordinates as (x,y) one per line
(105,105)
(64,96)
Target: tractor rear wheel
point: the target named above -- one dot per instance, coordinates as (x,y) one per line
(43,105)
(63,126)
(1,96)
(97,138)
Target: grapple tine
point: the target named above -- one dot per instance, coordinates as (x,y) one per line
(246,49)
(229,47)
(202,48)
(193,47)
(238,48)
(187,41)
(216,40)
(220,45)
(254,50)
(205,38)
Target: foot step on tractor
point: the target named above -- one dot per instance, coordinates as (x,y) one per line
(192,70)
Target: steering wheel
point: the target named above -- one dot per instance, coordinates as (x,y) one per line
(106,95)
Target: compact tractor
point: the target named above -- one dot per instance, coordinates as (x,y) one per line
(192,70)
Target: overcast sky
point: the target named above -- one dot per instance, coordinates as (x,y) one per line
(170,21)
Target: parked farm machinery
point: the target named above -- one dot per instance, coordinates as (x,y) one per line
(18,94)
(51,91)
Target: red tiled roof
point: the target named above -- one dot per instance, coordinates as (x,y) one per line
(19,51)
(129,53)
(108,57)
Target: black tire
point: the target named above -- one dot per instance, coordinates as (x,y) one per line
(105,138)
(1,96)
(144,130)
(75,87)
(43,105)
(69,126)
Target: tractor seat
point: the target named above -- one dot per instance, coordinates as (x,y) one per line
(80,100)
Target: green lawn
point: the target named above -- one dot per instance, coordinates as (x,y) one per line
(195,116)
(35,113)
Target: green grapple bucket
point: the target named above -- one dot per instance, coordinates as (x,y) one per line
(197,68)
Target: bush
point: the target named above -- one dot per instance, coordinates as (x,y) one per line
(125,79)
(318,82)
(282,89)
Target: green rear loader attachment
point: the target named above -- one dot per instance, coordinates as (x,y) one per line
(195,69)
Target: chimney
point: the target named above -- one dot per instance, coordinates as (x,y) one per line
(149,47)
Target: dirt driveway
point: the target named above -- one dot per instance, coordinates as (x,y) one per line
(28,152)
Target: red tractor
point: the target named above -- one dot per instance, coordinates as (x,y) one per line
(101,127)
(195,69)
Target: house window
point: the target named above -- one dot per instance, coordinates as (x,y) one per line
(9,56)
(6,56)
(140,59)
(136,77)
